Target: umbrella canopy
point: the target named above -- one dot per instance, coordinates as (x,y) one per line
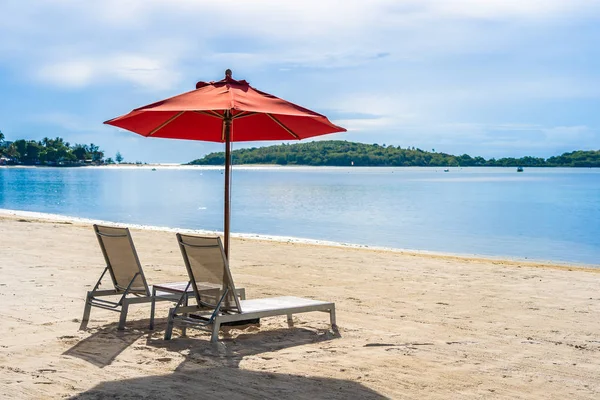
(200,114)
(225,111)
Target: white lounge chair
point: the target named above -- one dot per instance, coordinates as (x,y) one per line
(214,292)
(125,271)
(128,280)
(123,267)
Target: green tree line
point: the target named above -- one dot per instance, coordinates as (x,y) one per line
(343,153)
(49,152)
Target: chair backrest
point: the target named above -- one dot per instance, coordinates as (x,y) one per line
(209,272)
(121,259)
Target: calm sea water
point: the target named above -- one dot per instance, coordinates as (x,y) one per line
(541,214)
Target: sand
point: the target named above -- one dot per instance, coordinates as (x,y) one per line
(412,326)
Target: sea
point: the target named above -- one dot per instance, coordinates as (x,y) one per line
(540,214)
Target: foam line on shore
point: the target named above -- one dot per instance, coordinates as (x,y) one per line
(289,239)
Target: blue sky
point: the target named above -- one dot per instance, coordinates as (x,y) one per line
(493,78)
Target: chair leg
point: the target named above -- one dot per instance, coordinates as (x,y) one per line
(123,317)
(184,327)
(86,311)
(332,318)
(170,321)
(215,331)
(152,307)
(290,321)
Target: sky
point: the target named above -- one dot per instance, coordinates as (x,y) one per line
(493,78)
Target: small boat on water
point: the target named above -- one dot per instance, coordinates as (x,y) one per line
(447,170)
(519,169)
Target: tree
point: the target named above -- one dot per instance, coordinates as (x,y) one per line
(1,138)
(12,152)
(119,157)
(49,151)
(33,152)
(28,151)
(20,147)
(97,154)
(80,151)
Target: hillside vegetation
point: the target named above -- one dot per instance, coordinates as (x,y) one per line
(342,153)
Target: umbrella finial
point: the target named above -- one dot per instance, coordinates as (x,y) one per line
(228,73)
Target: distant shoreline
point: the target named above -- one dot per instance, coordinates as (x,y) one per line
(39,216)
(265,166)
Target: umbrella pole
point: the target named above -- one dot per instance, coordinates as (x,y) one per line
(227,122)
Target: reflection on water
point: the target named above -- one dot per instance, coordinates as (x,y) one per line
(547,214)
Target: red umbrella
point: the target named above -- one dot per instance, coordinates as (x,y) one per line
(225,111)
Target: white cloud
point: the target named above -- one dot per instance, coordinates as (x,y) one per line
(314,33)
(260,14)
(138,70)
(502,9)
(75,73)
(365,124)
(416,68)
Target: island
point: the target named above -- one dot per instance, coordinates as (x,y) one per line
(344,153)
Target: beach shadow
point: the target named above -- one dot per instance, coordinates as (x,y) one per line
(106,342)
(211,370)
(229,352)
(230,383)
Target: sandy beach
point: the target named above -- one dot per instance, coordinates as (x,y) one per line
(412,326)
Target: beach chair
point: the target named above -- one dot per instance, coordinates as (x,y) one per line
(215,293)
(128,280)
